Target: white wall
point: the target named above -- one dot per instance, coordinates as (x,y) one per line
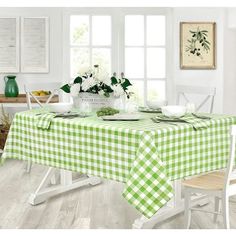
(55,45)
(213,78)
(230,62)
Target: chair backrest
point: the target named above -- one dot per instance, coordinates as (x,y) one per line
(207,92)
(54,87)
(229,173)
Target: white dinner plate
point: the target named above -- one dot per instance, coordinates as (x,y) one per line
(149,110)
(124,117)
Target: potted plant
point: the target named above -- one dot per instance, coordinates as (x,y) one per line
(97,89)
(5,123)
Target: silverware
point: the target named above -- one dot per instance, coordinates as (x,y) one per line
(65,116)
(70,116)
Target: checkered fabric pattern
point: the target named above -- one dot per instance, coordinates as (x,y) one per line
(145,155)
(45,120)
(195,122)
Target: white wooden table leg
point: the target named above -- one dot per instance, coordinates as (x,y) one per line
(55,177)
(28,166)
(177,185)
(34,199)
(66,184)
(66,177)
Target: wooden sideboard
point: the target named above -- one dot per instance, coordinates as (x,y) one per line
(22,99)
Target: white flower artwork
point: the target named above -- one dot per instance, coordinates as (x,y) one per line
(88,83)
(118,90)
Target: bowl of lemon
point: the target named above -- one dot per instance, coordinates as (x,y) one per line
(41,93)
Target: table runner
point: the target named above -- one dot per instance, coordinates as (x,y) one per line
(146,156)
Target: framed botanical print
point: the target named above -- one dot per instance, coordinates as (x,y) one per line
(197,45)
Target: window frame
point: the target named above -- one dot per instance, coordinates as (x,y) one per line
(118,40)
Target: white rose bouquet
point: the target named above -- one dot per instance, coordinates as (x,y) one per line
(98,83)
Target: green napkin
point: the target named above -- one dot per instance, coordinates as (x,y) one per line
(44,120)
(197,123)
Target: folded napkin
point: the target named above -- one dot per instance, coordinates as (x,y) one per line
(44,120)
(197,123)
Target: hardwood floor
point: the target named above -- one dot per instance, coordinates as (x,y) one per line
(98,207)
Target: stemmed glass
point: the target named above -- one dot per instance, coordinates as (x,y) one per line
(85,108)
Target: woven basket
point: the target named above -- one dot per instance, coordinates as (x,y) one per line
(95,101)
(3,137)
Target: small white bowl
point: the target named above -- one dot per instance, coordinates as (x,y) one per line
(60,107)
(173,111)
(155,104)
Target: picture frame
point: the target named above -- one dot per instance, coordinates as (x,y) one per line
(35,44)
(197,45)
(9,45)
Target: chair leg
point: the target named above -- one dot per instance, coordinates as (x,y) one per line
(217,208)
(28,166)
(187,210)
(225,211)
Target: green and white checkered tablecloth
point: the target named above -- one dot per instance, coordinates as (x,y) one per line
(145,155)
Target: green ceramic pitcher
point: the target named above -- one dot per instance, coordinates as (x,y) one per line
(11,87)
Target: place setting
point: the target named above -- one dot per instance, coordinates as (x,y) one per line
(153,106)
(175,114)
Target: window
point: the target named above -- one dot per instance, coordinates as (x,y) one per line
(145,55)
(90,43)
(121,42)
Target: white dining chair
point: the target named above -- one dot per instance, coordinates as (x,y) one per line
(220,184)
(54,87)
(207,94)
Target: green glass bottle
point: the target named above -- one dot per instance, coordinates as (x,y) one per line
(11,87)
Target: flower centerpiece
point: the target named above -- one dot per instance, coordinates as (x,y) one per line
(93,85)
(91,82)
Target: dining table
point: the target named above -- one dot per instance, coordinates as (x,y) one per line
(149,155)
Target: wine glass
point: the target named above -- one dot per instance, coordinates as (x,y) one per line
(131,107)
(85,108)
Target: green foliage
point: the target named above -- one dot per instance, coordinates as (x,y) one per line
(78,80)
(66,88)
(126,84)
(114,80)
(197,42)
(107,111)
